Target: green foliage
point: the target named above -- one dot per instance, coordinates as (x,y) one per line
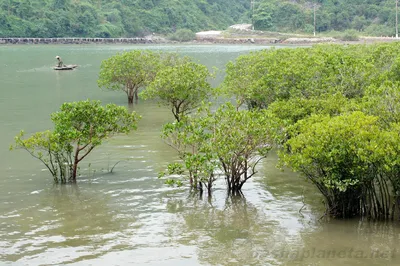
(182,87)
(51,150)
(100,18)
(349,35)
(129,71)
(376,18)
(384,102)
(107,30)
(379,30)
(173,169)
(182,35)
(79,127)
(260,78)
(296,109)
(286,113)
(348,158)
(240,140)
(189,138)
(228,141)
(349,155)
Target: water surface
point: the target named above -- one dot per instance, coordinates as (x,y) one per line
(129,217)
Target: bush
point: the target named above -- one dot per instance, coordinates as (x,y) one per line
(308,28)
(182,35)
(379,30)
(349,35)
(108,30)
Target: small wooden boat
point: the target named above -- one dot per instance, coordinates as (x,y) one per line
(65,67)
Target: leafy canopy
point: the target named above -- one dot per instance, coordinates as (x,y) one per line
(263,77)
(227,141)
(129,71)
(79,127)
(182,87)
(347,157)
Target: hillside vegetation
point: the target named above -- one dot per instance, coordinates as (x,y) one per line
(371,17)
(131,18)
(111,18)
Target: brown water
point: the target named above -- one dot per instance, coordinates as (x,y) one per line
(129,217)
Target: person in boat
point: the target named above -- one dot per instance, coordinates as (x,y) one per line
(60,62)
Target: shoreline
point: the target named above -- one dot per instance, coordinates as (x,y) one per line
(204,40)
(12,40)
(143,40)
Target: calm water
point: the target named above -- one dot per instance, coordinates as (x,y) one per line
(129,217)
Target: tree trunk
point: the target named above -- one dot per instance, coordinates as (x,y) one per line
(200,187)
(75,166)
(131,94)
(136,95)
(74,171)
(209,190)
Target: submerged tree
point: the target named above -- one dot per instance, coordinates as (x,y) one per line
(240,140)
(182,87)
(79,127)
(129,71)
(351,160)
(189,138)
(47,147)
(228,141)
(242,77)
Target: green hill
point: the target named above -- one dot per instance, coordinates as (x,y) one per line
(122,18)
(371,17)
(131,18)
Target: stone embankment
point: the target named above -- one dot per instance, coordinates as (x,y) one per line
(210,37)
(78,40)
(202,39)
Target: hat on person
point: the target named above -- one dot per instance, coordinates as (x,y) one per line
(57,57)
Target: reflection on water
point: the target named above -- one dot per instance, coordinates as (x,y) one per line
(235,232)
(129,217)
(73,222)
(140,221)
(351,242)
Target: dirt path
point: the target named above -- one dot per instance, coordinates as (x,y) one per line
(242,33)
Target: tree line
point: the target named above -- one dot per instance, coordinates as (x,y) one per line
(331,112)
(371,17)
(132,18)
(111,18)
(334,114)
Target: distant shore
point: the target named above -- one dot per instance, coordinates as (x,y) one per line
(235,34)
(74,40)
(202,40)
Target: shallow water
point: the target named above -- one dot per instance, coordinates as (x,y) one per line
(129,217)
